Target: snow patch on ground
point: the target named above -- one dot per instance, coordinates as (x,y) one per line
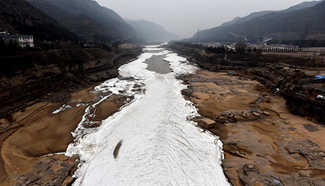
(161,146)
(81,130)
(117,86)
(179,64)
(61,109)
(153,49)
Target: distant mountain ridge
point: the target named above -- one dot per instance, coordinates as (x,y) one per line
(304,21)
(87,19)
(18,16)
(303,5)
(151,32)
(263,13)
(247,18)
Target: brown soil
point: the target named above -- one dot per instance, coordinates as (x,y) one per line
(264,143)
(289,76)
(30,138)
(110,106)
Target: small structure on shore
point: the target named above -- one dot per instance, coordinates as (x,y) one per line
(22,41)
(275,48)
(281,49)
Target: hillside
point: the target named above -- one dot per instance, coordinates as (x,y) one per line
(18,16)
(151,32)
(301,22)
(263,13)
(302,6)
(247,18)
(87,19)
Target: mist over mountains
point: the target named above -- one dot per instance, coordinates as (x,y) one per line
(89,21)
(304,21)
(151,32)
(263,13)
(76,20)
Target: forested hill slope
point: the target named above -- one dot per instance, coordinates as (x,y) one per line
(18,16)
(87,19)
(296,23)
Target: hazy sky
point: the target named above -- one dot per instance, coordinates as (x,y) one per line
(185,17)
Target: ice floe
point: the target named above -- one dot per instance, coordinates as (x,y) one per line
(161,145)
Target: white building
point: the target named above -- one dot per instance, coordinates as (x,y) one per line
(22,41)
(25,41)
(281,49)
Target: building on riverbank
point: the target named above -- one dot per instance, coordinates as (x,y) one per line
(276,48)
(22,41)
(319,50)
(281,49)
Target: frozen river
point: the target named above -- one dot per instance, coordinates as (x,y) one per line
(151,141)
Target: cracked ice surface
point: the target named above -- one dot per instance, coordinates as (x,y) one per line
(161,146)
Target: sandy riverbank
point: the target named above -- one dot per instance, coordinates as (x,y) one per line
(264,143)
(30,140)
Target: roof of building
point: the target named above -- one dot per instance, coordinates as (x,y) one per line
(5,35)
